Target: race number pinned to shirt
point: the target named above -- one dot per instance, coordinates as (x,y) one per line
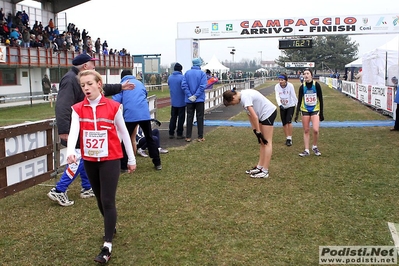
(310,99)
(284,99)
(95,143)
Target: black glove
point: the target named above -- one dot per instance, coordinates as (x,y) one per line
(296,119)
(260,137)
(156,122)
(321,117)
(281,108)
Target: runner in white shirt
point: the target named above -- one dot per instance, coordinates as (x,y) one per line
(261,113)
(286,99)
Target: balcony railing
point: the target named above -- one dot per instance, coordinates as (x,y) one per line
(41,57)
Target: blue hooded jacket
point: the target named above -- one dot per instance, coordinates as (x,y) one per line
(135,104)
(194,83)
(177,96)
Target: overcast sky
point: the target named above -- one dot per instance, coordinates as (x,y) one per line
(150,27)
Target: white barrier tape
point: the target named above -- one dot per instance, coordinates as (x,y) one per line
(2,98)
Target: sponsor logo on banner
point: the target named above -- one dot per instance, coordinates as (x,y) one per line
(215,26)
(197,30)
(390,99)
(369,94)
(381,24)
(395,21)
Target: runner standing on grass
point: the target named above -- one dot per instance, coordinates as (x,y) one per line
(261,113)
(98,122)
(286,100)
(310,99)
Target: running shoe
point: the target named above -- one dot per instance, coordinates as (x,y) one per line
(253,171)
(262,174)
(288,142)
(104,256)
(304,154)
(142,153)
(60,197)
(316,151)
(162,151)
(86,193)
(158,167)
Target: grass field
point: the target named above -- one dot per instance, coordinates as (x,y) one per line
(202,209)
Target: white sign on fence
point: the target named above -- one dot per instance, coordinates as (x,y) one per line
(299,64)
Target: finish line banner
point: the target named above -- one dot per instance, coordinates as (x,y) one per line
(376,255)
(289,27)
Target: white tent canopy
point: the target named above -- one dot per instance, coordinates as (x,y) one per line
(356,63)
(381,64)
(391,45)
(215,66)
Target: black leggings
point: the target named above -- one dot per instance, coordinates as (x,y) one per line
(103,177)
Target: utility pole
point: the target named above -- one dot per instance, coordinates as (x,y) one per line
(232,52)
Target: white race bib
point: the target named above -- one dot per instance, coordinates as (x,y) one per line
(311,99)
(95,143)
(284,99)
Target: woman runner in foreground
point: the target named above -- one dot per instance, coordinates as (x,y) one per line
(310,103)
(261,113)
(97,121)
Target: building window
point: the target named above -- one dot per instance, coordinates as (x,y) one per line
(8,77)
(114,72)
(57,73)
(101,71)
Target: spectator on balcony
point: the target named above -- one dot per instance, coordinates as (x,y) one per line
(59,41)
(26,38)
(9,20)
(15,34)
(17,21)
(97,46)
(2,15)
(51,24)
(68,41)
(111,52)
(56,32)
(105,51)
(77,34)
(40,27)
(105,45)
(4,30)
(25,18)
(79,47)
(45,40)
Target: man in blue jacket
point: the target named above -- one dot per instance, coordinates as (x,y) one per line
(136,112)
(395,83)
(194,84)
(178,103)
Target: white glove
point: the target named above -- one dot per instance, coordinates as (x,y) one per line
(192,98)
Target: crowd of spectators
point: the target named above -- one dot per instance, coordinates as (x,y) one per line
(17,31)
